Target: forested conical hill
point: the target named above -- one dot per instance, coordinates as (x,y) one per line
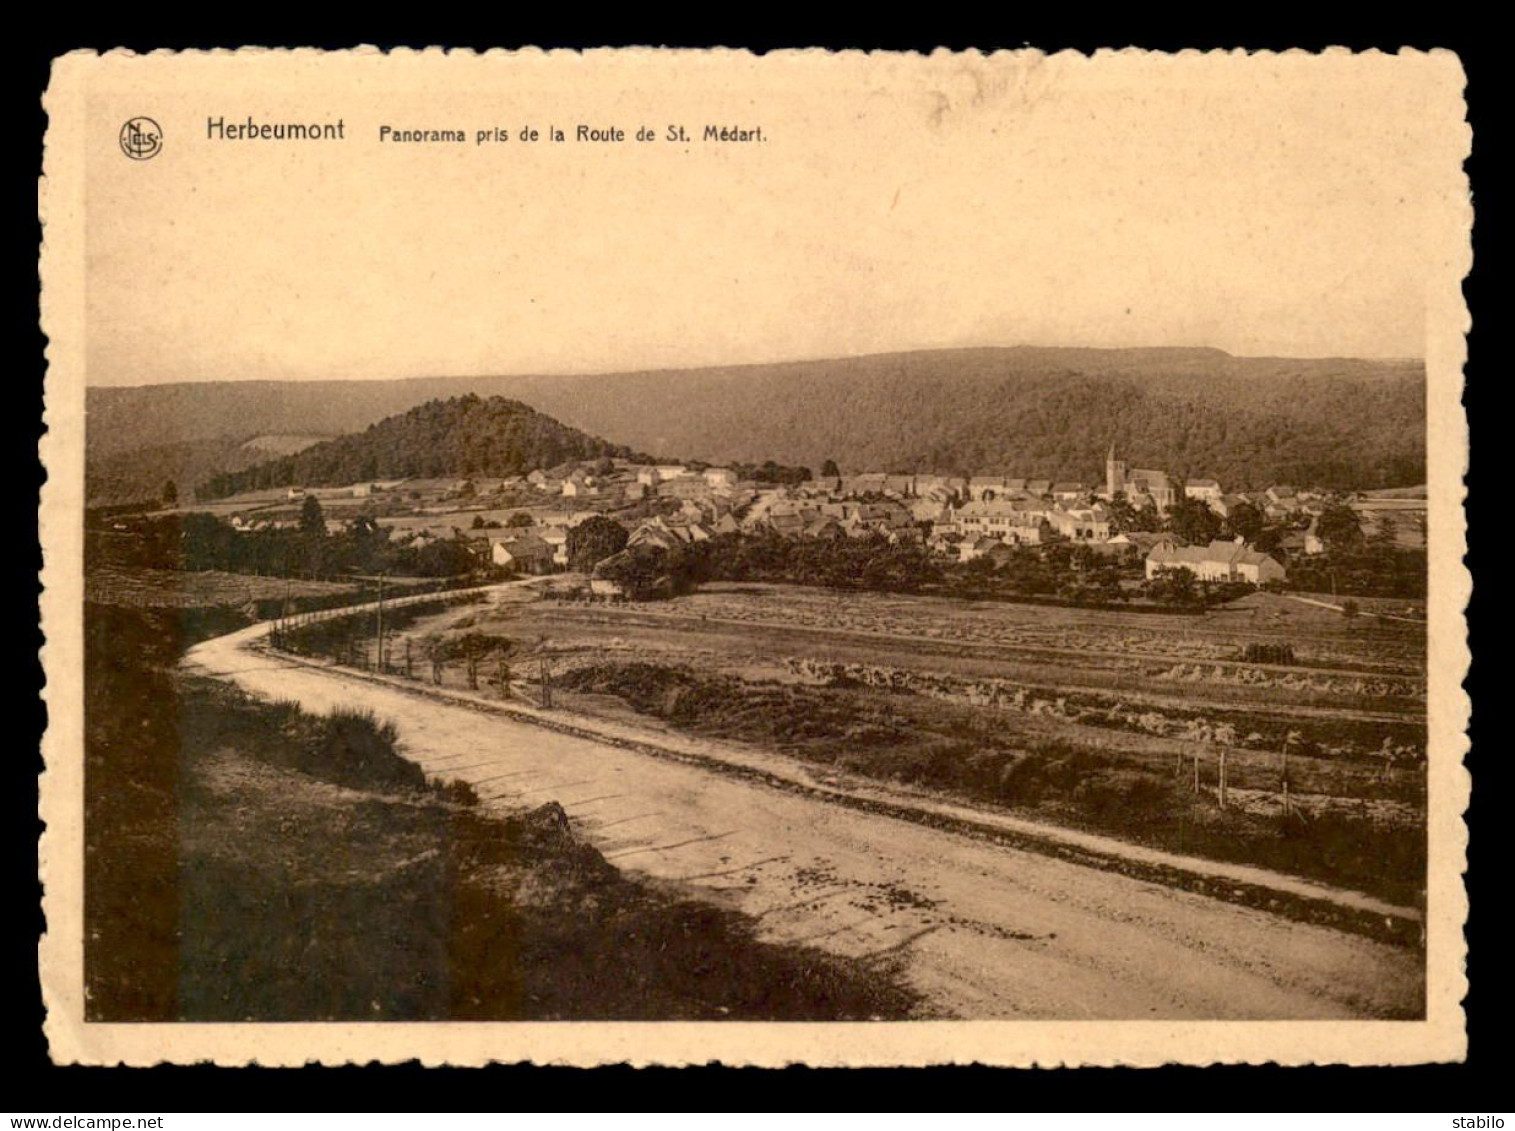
(467,435)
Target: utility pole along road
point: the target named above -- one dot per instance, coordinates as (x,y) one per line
(982,930)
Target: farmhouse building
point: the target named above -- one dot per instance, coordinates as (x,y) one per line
(1144,540)
(1081,524)
(786,524)
(1225,505)
(944,541)
(525,553)
(825,528)
(557,538)
(1219,561)
(1205,490)
(992,548)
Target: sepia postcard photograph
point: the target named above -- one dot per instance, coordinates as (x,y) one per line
(669,556)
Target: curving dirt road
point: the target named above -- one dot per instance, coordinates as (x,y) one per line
(983,930)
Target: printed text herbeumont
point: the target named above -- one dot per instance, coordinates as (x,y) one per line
(252,130)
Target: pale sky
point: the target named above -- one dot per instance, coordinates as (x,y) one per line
(911,205)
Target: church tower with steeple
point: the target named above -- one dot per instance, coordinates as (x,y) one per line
(1115,474)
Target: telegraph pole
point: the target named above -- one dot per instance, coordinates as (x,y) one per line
(379,633)
(1284,771)
(542,671)
(545,673)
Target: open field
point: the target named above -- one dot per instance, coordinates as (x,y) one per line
(134,587)
(1080,718)
(444,522)
(1323,641)
(1324,609)
(173,588)
(1318,638)
(1185,663)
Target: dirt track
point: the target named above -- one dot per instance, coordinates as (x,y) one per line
(984,930)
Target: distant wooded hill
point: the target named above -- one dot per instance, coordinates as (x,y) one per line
(467,435)
(1028,411)
(137,474)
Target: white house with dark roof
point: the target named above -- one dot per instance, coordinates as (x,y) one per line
(557,538)
(524,552)
(972,549)
(1225,505)
(1069,492)
(1219,561)
(1081,524)
(1205,490)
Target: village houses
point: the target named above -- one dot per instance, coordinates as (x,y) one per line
(1015,521)
(961,518)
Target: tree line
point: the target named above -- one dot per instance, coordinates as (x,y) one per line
(199,541)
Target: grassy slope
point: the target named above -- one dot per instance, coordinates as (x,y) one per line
(247,861)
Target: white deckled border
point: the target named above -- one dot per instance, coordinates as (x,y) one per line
(1440,1037)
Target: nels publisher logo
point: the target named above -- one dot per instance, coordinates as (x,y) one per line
(141,139)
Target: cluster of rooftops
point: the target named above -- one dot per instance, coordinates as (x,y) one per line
(963,517)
